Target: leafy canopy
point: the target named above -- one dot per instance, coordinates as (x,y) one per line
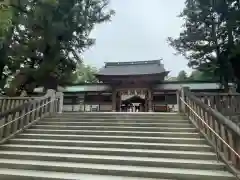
(47,38)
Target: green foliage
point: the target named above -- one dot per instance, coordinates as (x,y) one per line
(202,76)
(82,74)
(182,76)
(6,14)
(48,36)
(8,20)
(194,76)
(210,38)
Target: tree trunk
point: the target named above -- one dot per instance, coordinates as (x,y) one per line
(3,61)
(224,79)
(232,58)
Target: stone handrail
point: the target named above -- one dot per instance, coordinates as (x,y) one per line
(21,117)
(7,103)
(219,131)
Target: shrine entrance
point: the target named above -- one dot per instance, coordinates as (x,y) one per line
(133,104)
(132,100)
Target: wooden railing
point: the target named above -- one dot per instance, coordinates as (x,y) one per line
(21,117)
(219,131)
(227,104)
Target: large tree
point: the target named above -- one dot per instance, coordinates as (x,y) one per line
(205,39)
(9,18)
(229,13)
(52,36)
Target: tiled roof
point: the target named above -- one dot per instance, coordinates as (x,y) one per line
(81,88)
(132,68)
(164,86)
(192,86)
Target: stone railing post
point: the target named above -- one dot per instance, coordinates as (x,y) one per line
(178,94)
(52,94)
(232,89)
(150,108)
(60,96)
(182,94)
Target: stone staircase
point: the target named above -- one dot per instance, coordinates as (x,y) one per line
(110,146)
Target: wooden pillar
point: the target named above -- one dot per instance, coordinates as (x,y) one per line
(73,101)
(182,95)
(120,102)
(114,94)
(84,105)
(166,101)
(146,104)
(150,101)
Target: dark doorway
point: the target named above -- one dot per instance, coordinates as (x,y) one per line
(133,104)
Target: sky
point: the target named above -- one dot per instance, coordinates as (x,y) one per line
(138,32)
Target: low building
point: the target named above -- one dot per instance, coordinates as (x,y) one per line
(130,86)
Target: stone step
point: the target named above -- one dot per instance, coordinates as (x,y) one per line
(114,138)
(115,160)
(122,116)
(164,118)
(20,174)
(126,146)
(113,144)
(115,133)
(118,123)
(117,128)
(103,169)
(97,119)
(119,114)
(177,154)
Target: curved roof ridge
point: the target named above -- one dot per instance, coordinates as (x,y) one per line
(126,63)
(132,68)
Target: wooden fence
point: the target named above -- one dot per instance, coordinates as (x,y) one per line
(27,112)
(220,132)
(227,104)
